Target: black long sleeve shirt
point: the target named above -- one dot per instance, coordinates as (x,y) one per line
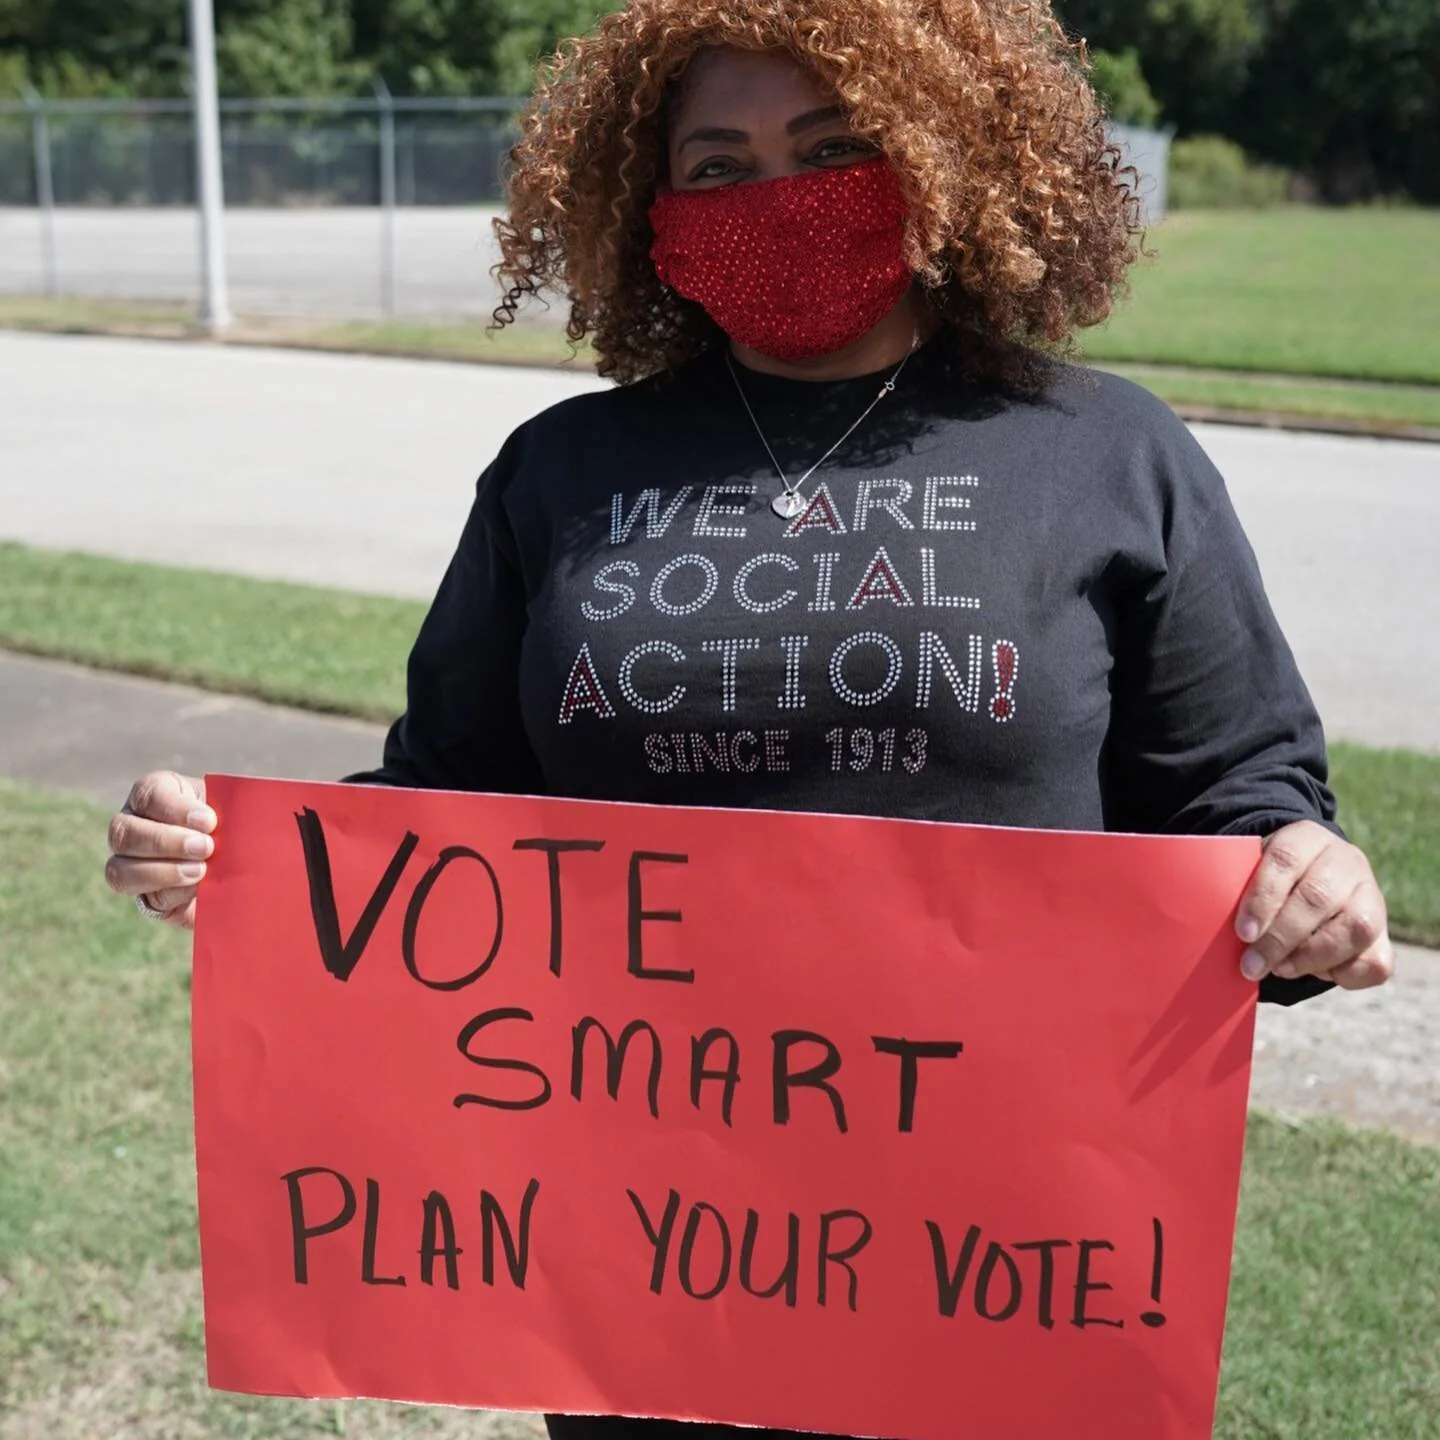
(1037,613)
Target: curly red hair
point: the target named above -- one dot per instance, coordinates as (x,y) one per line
(1022,221)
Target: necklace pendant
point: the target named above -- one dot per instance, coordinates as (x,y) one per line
(789,504)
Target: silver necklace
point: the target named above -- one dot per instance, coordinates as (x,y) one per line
(790,501)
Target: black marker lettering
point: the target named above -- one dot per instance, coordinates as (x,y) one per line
(996,1255)
(437,1220)
(1154,1319)
(659,1239)
(341,956)
(700,1073)
(302,1233)
(843,1257)
(517,1257)
(1084,1285)
(911,1053)
(950,1279)
(1046,1250)
(789,1279)
(615,1052)
(417,908)
(553,850)
(468,1034)
(639,916)
(817,1077)
(372,1235)
(688,1242)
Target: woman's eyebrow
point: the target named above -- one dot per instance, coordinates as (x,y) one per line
(811,118)
(716,135)
(710,134)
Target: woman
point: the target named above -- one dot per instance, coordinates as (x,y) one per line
(848,536)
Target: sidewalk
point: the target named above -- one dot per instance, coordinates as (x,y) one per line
(1366,1058)
(93,734)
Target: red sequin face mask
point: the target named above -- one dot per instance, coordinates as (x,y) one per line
(792,268)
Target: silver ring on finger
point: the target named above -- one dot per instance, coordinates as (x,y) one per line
(149,911)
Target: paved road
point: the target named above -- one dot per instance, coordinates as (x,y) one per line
(335,469)
(358,472)
(280,261)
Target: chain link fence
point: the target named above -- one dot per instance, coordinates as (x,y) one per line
(274,152)
(357,207)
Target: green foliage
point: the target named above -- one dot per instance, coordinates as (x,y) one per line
(1121,85)
(83,48)
(61,74)
(300,48)
(533,29)
(1346,91)
(430,47)
(1196,53)
(1212,173)
(1349,90)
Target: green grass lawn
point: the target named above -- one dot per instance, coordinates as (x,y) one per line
(1302,291)
(1335,1319)
(1390,807)
(325,650)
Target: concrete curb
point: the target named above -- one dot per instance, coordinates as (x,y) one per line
(1306,424)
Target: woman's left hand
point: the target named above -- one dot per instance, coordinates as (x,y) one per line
(1314,908)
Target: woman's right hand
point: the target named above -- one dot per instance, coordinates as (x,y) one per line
(160,842)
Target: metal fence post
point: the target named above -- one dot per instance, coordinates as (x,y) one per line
(215,295)
(387,195)
(44,190)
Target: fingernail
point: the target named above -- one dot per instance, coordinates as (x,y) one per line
(1253,966)
(1285,970)
(1249,929)
(200,846)
(191,872)
(203,818)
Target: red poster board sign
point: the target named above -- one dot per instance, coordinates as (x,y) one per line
(847,1125)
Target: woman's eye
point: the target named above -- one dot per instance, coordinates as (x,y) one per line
(841,149)
(712,170)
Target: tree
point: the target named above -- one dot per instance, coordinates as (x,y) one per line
(1196,54)
(300,47)
(431,47)
(533,29)
(88,47)
(1123,90)
(1349,90)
